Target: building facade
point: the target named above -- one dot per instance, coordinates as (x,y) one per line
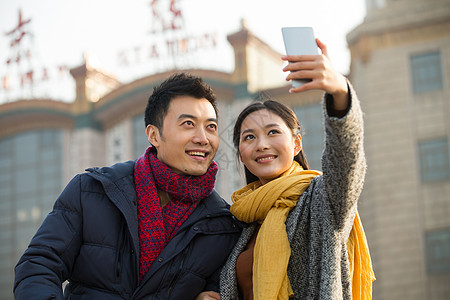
(400,66)
(44,143)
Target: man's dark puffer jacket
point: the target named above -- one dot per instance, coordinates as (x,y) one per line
(91,239)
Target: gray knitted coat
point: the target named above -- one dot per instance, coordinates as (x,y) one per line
(319,226)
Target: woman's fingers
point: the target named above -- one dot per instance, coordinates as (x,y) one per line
(318,81)
(302,74)
(300,65)
(322,47)
(319,69)
(295,58)
(209,295)
(309,69)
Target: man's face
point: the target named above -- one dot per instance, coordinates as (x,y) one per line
(189,139)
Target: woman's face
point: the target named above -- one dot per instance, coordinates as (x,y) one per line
(266,145)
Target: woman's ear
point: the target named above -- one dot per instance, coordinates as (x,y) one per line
(297,144)
(153,135)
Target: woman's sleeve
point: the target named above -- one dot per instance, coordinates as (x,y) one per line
(343,160)
(48,261)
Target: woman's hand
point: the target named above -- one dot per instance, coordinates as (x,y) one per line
(210,295)
(324,77)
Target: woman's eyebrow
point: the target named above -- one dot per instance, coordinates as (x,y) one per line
(246,130)
(266,126)
(272,125)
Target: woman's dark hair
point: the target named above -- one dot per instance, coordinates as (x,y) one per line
(285,113)
(180,84)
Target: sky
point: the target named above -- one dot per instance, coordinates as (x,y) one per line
(116,36)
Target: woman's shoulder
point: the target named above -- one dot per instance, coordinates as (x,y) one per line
(313,193)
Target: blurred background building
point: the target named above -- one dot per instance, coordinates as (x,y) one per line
(400,66)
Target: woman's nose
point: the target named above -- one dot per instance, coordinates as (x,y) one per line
(262,144)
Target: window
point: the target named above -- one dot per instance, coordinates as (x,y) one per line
(374,4)
(140,142)
(434,159)
(311,124)
(116,138)
(426,72)
(30,182)
(437,248)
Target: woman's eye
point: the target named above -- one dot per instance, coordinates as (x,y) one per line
(273,131)
(248,137)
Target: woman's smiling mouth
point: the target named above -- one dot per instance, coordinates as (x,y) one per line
(265,158)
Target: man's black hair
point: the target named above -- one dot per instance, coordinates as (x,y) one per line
(180,84)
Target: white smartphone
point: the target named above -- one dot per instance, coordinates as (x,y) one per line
(299,41)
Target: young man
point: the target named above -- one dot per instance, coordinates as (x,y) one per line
(153,228)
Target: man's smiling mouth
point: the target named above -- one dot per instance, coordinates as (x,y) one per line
(197,153)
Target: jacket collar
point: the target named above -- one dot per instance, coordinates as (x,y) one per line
(118,183)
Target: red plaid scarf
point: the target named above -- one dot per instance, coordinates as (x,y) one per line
(157,226)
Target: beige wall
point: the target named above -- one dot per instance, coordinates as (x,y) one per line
(397,208)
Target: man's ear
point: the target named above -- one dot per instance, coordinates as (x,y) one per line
(297,144)
(153,135)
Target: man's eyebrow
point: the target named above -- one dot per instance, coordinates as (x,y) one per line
(188,116)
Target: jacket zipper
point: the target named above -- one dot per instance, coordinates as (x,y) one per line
(175,279)
(121,247)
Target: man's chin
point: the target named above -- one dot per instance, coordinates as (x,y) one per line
(195,170)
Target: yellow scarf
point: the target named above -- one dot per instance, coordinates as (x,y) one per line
(270,205)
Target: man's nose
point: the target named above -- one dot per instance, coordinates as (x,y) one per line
(200,137)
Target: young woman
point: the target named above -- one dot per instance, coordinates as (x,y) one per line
(304,239)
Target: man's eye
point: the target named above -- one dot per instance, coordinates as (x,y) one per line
(189,123)
(212,126)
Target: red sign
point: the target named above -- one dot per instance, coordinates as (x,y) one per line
(165,16)
(19,75)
